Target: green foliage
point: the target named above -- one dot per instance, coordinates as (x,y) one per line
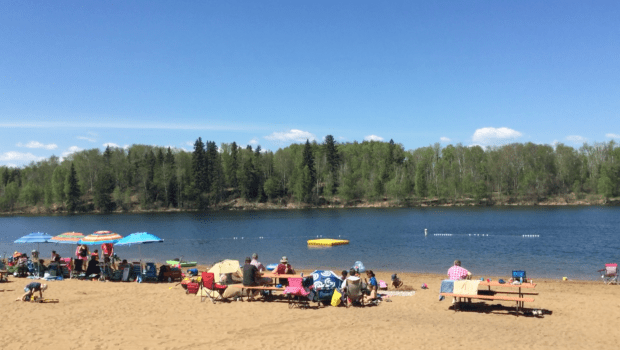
(309,172)
(72,189)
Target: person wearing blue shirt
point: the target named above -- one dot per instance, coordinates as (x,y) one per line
(372,285)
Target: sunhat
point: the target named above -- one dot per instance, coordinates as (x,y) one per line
(284,260)
(43,287)
(254,256)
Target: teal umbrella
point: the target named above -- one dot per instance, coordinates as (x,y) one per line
(34,237)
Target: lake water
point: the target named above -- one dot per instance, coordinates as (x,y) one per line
(564,241)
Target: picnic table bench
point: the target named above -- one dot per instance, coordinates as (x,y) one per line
(262,288)
(520,297)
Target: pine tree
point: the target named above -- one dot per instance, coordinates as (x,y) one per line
(72,190)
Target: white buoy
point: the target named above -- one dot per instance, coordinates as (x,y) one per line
(425,232)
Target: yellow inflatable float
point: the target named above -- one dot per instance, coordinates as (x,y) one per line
(327,242)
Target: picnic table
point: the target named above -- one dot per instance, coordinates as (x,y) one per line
(514,293)
(271,287)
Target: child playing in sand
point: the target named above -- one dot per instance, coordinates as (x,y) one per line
(30,289)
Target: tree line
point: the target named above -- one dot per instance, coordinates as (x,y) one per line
(315,173)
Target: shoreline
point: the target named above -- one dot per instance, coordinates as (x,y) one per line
(250,206)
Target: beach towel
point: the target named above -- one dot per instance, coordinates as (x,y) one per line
(397,293)
(466,287)
(447,286)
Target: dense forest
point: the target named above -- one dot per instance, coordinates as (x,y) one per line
(311,174)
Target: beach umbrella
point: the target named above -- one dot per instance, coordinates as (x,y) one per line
(139,238)
(226,266)
(324,282)
(100,237)
(34,237)
(67,238)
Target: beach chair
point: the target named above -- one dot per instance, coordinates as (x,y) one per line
(208,283)
(297,294)
(150,272)
(610,274)
(136,271)
(66,267)
(78,269)
(354,294)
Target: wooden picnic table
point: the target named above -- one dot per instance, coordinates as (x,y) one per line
(520,296)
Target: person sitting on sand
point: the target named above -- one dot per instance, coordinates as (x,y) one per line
(456,272)
(372,286)
(93,268)
(30,289)
(54,255)
(396,282)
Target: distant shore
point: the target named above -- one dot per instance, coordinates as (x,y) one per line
(240,204)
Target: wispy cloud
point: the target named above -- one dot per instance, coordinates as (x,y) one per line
(89,139)
(36,144)
(253,141)
(613,136)
(131,125)
(444,139)
(19,157)
(292,135)
(373,138)
(71,150)
(494,136)
(111,145)
(576,139)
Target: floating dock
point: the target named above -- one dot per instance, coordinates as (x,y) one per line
(327,242)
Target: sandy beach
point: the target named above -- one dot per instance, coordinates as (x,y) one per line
(129,315)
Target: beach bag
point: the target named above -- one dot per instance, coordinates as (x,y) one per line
(336,298)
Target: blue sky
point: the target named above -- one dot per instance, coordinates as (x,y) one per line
(79,75)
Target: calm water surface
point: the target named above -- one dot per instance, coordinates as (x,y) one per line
(569,241)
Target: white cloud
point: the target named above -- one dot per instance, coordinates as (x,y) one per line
(576,139)
(444,139)
(494,136)
(613,136)
(373,138)
(89,139)
(253,141)
(190,143)
(111,145)
(292,135)
(36,144)
(19,156)
(70,150)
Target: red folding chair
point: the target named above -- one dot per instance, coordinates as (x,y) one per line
(610,273)
(208,283)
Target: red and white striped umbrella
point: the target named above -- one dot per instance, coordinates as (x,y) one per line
(101,237)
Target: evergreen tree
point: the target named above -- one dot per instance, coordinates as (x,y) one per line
(333,162)
(72,190)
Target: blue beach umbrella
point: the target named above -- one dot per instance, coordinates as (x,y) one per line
(325,282)
(139,238)
(34,237)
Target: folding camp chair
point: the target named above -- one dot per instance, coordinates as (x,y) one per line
(610,274)
(354,292)
(208,283)
(150,273)
(297,294)
(136,271)
(66,267)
